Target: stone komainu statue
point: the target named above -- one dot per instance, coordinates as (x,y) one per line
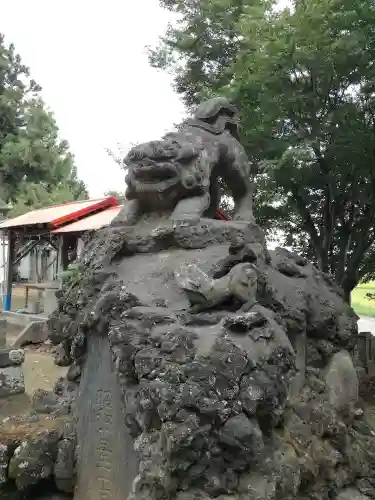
(180,172)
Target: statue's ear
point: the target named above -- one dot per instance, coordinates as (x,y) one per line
(233,127)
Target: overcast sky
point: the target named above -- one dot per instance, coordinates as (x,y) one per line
(90,59)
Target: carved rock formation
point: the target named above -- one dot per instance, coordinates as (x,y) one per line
(241,397)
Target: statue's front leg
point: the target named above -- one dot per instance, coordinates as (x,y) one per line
(191,208)
(244,209)
(129,214)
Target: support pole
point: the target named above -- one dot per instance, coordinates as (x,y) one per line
(64,245)
(9,272)
(60,266)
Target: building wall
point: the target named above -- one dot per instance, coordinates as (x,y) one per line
(80,246)
(24,267)
(27,267)
(36,266)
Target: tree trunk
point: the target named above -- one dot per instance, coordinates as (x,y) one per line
(348,295)
(349,282)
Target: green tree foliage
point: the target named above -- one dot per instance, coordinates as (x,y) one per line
(117,194)
(36,167)
(304,79)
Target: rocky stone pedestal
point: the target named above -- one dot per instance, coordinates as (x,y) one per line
(36,457)
(11,372)
(234,363)
(235,382)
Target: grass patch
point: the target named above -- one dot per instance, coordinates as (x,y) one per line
(360,302)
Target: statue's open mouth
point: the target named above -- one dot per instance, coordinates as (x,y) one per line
(155,173)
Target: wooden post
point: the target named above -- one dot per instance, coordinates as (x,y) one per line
(26,296)
(63,253)
(372,348)
(9,272)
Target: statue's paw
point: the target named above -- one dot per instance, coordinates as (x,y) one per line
(244,217)
(181,219)
(124,221)
(128,215)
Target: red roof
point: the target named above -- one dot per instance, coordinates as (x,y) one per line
(104,218)
(58,215)
(92,222)
(220,215)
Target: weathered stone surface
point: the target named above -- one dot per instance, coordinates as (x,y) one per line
(258,487)
(64,468)
(34,333)
(367,486)
(11,357)
(44,401)
(62,354)
(101,432)
(342,381)
(59,325)
(4,457)
(245,323)
(299,343)
(242,435)
(351,494)
(204,293)
(74,372)
(11,381)
(207,393)
(34,459)
(17,356)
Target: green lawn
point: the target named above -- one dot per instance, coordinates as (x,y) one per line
(360,303)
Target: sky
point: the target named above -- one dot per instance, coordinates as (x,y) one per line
(90,59)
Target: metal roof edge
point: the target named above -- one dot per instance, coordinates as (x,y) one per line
(111,201)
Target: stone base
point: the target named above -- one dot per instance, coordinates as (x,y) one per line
(36,457)
(34,333)
(11,381)
(11,373)
(206,392)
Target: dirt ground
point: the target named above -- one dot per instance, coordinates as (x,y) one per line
(19,297)
(39,369)
(40,372)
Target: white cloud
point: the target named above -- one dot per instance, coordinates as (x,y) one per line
(91,61)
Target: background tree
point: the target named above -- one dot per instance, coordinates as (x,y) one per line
(36,167)
(120,195)
(304,79)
